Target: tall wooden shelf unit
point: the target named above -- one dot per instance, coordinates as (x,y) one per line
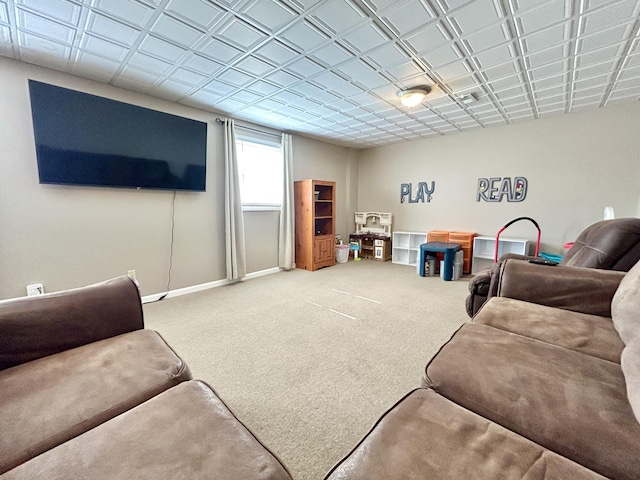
(315,224)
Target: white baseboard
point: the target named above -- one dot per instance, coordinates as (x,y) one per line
(205,286)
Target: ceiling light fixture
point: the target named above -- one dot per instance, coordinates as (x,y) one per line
(413,96)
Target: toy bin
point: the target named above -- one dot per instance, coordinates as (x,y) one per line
(342,253)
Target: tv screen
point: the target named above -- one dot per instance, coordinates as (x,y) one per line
(83,139)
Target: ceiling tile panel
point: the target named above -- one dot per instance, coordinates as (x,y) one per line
(495,56)
(200,13)
(236,78)
(172,90)
(338,16)
(331,54)
(304,36)
(246,96)
(537,18)
(276,53)
(254,66)
(547,38)
(544,57)
(270,104)
(241,34)
(453,71)
(430,37)
(188,77)
(604,17)
(61,10)
(219,51)
(201,64)
(504,70)
(43,27)
(487,38)
(142,76)
(405,72)
(464,84)
(31,46)
(549,70)
(150,64)
(98,63)
(442,56)
(594,70)
(283,79)
(475,16)
(111,29)
(161,49)
(365,38)
(406,16)
(4,14)
(386,55)
(599,39)
(103,48)
(218,87)
(176,31)
(304,68)
(134,13)
(270,15)
(263,88)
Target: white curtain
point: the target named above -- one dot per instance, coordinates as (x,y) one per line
(286,247)
(234,224)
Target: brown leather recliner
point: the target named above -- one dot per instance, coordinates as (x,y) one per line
(607,245)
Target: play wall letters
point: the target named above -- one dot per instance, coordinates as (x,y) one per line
(406,192)
(495,189)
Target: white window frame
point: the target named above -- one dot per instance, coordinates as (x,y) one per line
(268,140)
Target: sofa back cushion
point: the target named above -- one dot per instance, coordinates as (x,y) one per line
(608,244)
(631,369)
(625,306)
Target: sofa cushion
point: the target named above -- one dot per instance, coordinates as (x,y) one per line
(50,400)
(626,304)
(34,327)
(631,371)
(186,432)
(590,334)
(571,403)
(427,436)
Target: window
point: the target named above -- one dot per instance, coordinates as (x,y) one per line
(260,172)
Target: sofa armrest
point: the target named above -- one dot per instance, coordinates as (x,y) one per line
(584,290)
(34,327)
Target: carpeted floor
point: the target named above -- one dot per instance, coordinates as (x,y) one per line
(309,360)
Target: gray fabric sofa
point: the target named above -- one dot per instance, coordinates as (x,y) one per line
(87,392)
(543,383)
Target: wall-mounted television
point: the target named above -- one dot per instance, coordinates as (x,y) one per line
(83,139)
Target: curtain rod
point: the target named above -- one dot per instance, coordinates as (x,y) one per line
(221,122)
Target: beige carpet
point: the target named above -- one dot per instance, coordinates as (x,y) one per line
(309,360)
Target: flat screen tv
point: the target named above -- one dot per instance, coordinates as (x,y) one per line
(83,139)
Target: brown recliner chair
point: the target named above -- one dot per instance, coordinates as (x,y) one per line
(608,245)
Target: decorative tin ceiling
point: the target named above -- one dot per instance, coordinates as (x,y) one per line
(331,69)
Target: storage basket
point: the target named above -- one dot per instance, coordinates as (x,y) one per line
(342,253)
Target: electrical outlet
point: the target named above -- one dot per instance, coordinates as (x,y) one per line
(35,290)
(132,274)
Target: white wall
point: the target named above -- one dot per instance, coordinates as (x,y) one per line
(575,164)
(321,161)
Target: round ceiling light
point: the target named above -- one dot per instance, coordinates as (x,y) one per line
(413,96)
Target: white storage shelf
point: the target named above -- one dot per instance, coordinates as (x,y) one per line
(406,247)
(484,250)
